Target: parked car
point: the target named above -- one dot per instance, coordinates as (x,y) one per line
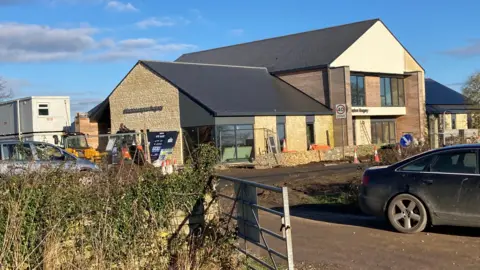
(438,187)
(17,156)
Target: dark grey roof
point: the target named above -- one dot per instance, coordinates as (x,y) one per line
(440,98)
(236,91)
(439,94)
(298,51)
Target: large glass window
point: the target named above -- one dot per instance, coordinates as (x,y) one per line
(357,87)
(383,131)
(392,92)
(236,142)
(456,162)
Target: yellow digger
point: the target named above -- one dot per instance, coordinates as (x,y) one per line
(76,144)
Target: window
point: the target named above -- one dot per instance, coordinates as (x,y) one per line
(17,152)
(357,87)
(47,152)
(392,92)
(456,162)
(383,131)
(419,165)
(454,121)
(281,134)
(43,109)
(236,142)
(310,135)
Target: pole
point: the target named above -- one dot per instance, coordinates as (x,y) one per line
(19,124)
(343,137)
(288,228)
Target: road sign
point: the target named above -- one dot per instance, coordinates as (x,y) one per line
(406,140)
(341,111)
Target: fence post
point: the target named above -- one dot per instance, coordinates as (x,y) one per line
(288,231)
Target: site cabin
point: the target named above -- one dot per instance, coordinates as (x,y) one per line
(36,118)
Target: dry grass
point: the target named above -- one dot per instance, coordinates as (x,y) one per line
(55,220)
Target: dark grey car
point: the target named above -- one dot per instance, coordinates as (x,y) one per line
(17,157)
(438,187)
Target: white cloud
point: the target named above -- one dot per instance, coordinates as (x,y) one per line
(119,6)
(473,49)
(161,22)
(37,43)
(236,32)
(142,48)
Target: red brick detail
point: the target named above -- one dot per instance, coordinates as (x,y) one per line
(372,91)
(411,121)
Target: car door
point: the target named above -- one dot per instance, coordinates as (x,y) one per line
(50,156)
(450,183)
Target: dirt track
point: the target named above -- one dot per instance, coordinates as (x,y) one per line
(326,238)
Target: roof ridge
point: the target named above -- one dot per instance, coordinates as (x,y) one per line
(203,64)
(284,36)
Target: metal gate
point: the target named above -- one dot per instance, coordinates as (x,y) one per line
(248,225)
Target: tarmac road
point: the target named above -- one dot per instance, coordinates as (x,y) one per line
(334,240)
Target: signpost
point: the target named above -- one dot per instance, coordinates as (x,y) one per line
(341,113)
(406,140)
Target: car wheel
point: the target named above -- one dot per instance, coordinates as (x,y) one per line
(407,214)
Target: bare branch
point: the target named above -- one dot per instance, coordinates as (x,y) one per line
(4,92)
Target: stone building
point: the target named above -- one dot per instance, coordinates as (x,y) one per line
(362,65)
(238,96)
(236,107)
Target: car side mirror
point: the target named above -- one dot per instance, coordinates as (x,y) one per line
(55,139)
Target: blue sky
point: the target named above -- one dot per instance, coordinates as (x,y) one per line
(83,48)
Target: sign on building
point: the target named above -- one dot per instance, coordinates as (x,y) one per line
(341,111)
(161,144)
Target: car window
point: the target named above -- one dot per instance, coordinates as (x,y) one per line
(419,165)
(47,152)
(17,152)
(456,162)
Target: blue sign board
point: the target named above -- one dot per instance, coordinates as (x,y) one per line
(161,143)
(406,140)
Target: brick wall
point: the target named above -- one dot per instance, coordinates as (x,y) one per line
(296,132)
(141,88)
(411,121)
(263,125)
(323,125)
(83,124)
(313,83)
(372,91)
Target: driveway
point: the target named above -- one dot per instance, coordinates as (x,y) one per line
(334,238)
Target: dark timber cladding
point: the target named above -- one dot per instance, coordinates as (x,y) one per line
(340,94)
(236,91)
(311,49)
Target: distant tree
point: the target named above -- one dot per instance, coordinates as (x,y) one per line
(471,90)
(4,92)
